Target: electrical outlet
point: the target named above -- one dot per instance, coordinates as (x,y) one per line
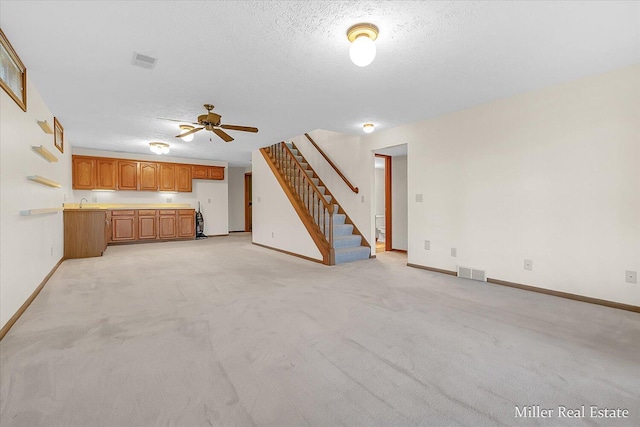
(51,250)
(258,199)
(631,276)
(64,197)
(209,200)
(362,199)
(454,252)
(528,264)
(419,198)
(94,199)
(169,200)
(427,245)
(273,234)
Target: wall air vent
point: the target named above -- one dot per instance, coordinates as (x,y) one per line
(472,273)
(144,61)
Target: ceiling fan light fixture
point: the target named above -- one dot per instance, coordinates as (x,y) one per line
(368,127)
(186,128)
(363,49)
(159,147)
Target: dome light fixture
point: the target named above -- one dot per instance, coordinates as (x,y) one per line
(159,147)
(186,128)
(363,49)
(368,127)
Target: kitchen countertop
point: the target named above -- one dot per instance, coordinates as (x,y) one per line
(121,206)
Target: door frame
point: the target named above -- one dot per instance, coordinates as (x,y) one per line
(387,202)
(248,218)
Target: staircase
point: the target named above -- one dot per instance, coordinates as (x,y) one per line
(333,231)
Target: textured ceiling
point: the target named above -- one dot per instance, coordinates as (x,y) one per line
(284,66)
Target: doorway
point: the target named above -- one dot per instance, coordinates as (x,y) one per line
(247,202)
(383,214)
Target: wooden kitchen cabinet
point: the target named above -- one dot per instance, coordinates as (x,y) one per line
(84,233)
(127,175)
(123,226)
(106,174)
(167,177)
(186,223)
(83,173)
(167,224)
(207,172)
(148,176)
(147,225)
(183,178)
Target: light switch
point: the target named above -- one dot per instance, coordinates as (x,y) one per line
(419,198)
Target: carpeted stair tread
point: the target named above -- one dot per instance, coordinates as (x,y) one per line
(342,230)
(347,241)
(351,254)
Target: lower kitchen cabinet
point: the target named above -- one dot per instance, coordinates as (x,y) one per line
(123,226)
(167,224)
(147,225)
(186,223)
(84,233)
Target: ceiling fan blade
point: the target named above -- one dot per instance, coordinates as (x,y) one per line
(222,134)
(189,132)
(176,120)
(242,128)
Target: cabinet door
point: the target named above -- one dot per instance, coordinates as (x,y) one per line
(186,223)
(183,178)
(216,172)
(167,176)
(167,226)
(83,173)
(200,172)
(123,228)
(106,174)
(127,175)
(148,177)
(147,225)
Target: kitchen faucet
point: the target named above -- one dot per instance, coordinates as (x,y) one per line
(81,202)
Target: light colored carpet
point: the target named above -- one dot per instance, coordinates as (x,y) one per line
(220,332)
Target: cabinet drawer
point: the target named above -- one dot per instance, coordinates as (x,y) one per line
(123,213)
(171,212)
(147,212)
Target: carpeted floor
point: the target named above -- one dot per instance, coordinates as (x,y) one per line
(223,333)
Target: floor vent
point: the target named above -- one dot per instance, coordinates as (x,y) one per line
(472,273)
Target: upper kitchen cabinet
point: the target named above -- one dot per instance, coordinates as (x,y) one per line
(183,178)
(106,177)
(167,177)
(207,172)
(148,177)
(127,175)
(84,173)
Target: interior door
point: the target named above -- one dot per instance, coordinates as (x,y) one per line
(247,202)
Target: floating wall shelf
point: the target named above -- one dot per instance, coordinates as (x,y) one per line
(44,153)
(29,212)
(45,127)
(43,181)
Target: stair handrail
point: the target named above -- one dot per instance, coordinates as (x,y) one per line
(344,178)
(302,184)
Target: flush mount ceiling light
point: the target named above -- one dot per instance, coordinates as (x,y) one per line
(159,147)
(368,127)
(186,128)
(363,49)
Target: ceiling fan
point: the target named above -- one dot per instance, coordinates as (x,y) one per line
(211,122)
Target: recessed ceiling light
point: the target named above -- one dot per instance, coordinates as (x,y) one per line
(368,127)
(363,49)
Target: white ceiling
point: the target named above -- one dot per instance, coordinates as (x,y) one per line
(283,66)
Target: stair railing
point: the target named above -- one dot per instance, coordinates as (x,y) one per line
(320,210)
(344,178)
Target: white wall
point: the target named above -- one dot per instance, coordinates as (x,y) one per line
(551,175)
(236,198)
(275,222)
(212,194)
(379,191)
(30,246)
(399,207)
